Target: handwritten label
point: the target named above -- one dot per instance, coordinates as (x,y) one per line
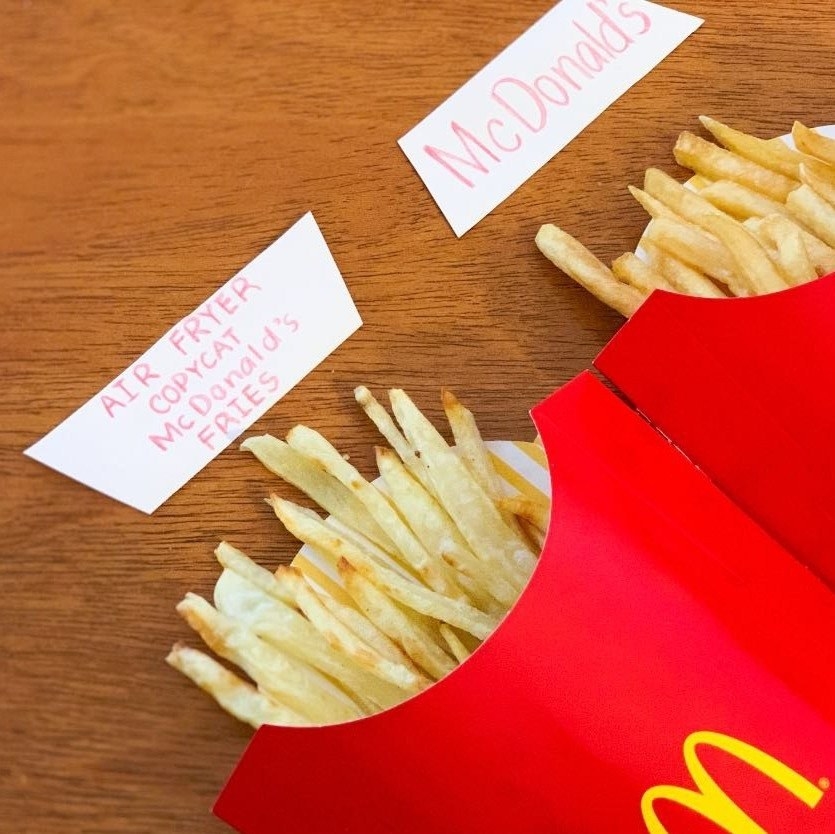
(210,376)
(527,104)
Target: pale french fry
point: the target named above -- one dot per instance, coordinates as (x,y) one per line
(239,698)
(813,212)
(695,248)
(821,255)
(237,561)
(697,182)
(409,593)
(458,649)
(775,156)
(578,263)
(813,143)
(740,202)
(284,627)
(652,205)
(752,261)
(790,252)
(344,639)
(630,269)
(537,513)
(387,427)
(437,530)
(718,164)
(470,507)
(314,481)
(472,449)
(682,277)
(683,202)
(286,679)
(822,186)
(410,636)
(431,569)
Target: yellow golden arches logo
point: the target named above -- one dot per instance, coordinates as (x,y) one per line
(710,801)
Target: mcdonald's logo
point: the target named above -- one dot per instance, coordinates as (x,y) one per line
(710,801)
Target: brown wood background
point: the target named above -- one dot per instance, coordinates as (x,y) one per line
(147,151)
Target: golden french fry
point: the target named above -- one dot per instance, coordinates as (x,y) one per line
(387,427)
(630,269)
(790,251)
(775,156)
(430,568)
(411,636)
(652,205)
(821,185)
(813,143)
(285,628)
(682,277)
(537,513)
(718,164)
(345,639)
(752,261)
(740,202)
(569,255)
(239,698)
(683,202)
(696,249)
(821,255)
(280,676)
(470,507)
(314,481)
(813,212)
(407,592)
(437,530)
(458,649)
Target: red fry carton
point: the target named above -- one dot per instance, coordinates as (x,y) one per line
(670,668)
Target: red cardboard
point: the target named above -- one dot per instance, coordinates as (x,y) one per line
(744,387)
(669,668)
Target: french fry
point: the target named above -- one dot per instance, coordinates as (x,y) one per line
(412,637)
(437,530)
(775,156)
(684,202)
(285,628)
(537,513)
(652,205)
(821,185)
(696,249)
(790,251)
(314,481)
(630,269)
(409,593)
(458,649)
(813,143)
(740,202)
(431,569)
(718,164)
(578,263)
(821,255)
(344,639)
(387,427)
(239,698)
(682,277)
(283,678)
(813,212)
(470,507)
(752,261)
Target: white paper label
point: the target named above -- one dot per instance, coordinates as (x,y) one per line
(527,104)
(210,376)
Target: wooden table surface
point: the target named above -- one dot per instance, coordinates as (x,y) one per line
(149,150)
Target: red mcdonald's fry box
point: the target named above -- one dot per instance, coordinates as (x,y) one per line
(671,665)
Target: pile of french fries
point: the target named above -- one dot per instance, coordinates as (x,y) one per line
(756,218)
(431,556)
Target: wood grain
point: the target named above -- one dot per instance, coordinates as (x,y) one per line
(148,151)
